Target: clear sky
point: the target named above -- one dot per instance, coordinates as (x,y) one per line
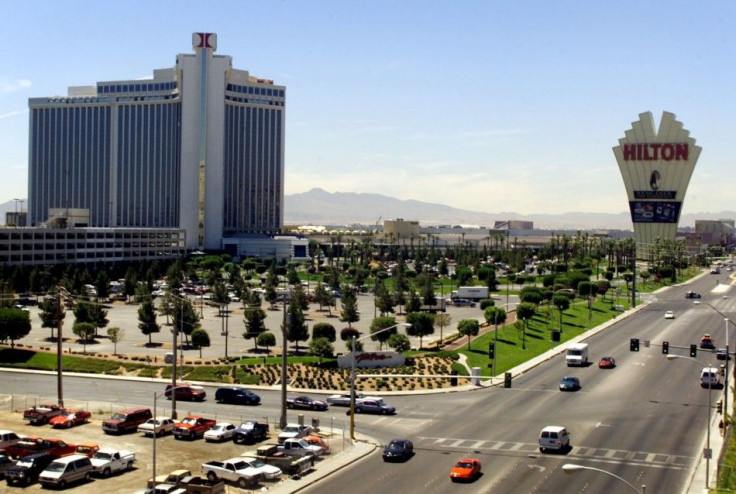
(493,106)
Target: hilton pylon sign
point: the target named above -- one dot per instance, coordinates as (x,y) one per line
(656,168)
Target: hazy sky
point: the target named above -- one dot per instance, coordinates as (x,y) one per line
(493,106)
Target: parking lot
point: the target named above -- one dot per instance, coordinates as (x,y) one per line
(171,454)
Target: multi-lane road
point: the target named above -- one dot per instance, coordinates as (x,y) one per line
(644,421)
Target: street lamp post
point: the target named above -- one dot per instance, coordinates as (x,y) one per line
(352,371)
(707,425)
(728,355)
(156,396)
(571,469)
(495,334)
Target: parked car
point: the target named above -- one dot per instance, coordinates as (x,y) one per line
(465,469)
(42,413)
(158,426)
(306,403)
(8,438)
(237,395)
(28,468)
(65,471)
(87,449)
(192,426)
(318,441)
(373,406)
(250,432)
(707,342)
(555,438)
(109,461)
(126,421)
(221,431)
(669,315)
(5,463)
(293,430)
(70,418)
(185,392)
(607,363)
(570,383)
(398,449)
(268,472)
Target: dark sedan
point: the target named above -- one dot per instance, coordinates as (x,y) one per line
(570,383)
(398,450)
(306,403)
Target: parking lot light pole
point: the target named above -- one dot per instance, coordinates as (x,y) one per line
(728,357)
(495,333)
(352,371)
(707,425)
(156,396)
(572,469)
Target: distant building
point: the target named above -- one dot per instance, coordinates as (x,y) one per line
(513,225)
(400,231)
(720,232)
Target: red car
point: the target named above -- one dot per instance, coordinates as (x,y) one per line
(607,363)
(465,469)
(70,418)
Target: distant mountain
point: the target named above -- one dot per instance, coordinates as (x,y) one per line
(319,207)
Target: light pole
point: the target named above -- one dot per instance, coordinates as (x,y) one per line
(572,469)
(495,333)
(707,451)
(352,371)
(728,356)
(156,396)
(284,350)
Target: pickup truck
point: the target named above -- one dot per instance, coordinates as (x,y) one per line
(234,470)
(293,430)
(56,447)
(108,461)
(192,426)
(290,465)
(173,478)
(199,485)
(250,432)
(299,447)
(42,413)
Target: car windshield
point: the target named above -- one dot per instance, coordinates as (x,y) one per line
(241,465)
(291,428)
(257,463)
(396,446)
(118,416)
(24,463)
(103,456)
(55,467)
(464,464)
(247,426)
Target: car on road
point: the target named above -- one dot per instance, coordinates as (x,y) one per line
(570,383)
(221,431)
(669,315)
(377,406)
(159,426)
(554,438)
(306,403)
(465,469)
(398,450)
(185,392)
(710,378)
(607,363)
(70,418)
(463,302)
(722,354)
(692,294)
(342,400)
(707,342)
(237,395)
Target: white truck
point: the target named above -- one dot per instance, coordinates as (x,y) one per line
(299,447)
(471,292)
(577,354)
(105,462)
(234,470)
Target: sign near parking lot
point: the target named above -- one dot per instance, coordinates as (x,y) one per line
(656,168)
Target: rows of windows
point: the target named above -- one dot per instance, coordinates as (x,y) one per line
(261,91)
(254,101)
(136,87)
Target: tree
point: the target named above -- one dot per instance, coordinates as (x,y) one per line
(147,318)
(297,329)
(349,312)
(414,303)
(51,312)
(84,330)
(399,342)
(115,334)
(442,320)
(321,347)
(102,285)
(14,325)
(524,312)
(468,327)
(186,319)
(562,302)
(324,297)
(378,325)
(324,330)
(254,323)
(200,338)
(494,315)
(422,324)
(347,334)
(266,339)
(384,300)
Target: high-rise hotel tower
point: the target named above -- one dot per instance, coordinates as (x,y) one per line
(199,147)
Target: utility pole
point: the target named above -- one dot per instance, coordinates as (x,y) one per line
(59,372)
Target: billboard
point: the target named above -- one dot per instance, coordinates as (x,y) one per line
(656,166)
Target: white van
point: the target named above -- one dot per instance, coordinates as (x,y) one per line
(66,470)
(555,438)
(577,354)
(710,377)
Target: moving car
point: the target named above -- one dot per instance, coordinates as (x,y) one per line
(306,403)
(69,418)
(722,354)
(607,363)
(555,438)
(237,395)
(463,302)
(692,295)
(186,391)
(398,449)
(221,431)
(707,342)
(373,406)
(343,400)
(569,383)
(465,469)
(669,315)
(710,378)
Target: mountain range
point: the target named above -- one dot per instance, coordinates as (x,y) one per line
(319,207)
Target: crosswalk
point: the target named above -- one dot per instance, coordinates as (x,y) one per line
(641,458)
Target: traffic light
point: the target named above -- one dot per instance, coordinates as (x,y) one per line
(453,379)
(693,350)
(719,406)
(665,347)
(492,350)
(507,380)
(634,345)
